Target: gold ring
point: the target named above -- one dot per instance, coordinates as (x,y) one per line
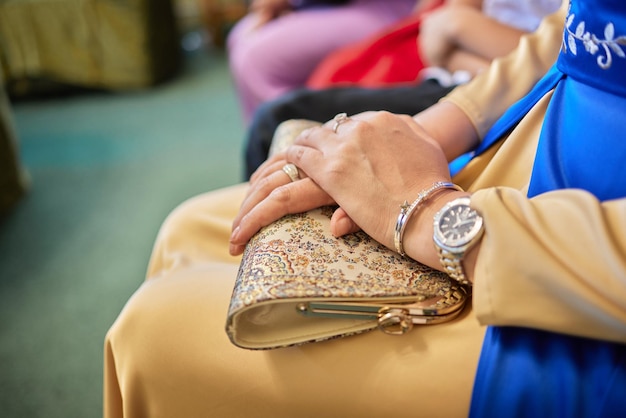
(339,119)
(292,171)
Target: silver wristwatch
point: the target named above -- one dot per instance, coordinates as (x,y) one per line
(457,228)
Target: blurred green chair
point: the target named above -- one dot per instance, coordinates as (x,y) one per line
(102,44)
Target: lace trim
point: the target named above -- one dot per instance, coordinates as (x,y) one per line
(605,48)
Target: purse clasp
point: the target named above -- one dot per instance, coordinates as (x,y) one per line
(394,321)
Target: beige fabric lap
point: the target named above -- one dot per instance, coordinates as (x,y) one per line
(176,320)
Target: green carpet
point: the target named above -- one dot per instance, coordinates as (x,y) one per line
(106,169)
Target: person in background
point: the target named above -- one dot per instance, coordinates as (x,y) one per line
(545,334)
(274,48)
(467,35)
(470,40)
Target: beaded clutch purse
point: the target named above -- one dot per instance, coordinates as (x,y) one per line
(297,283)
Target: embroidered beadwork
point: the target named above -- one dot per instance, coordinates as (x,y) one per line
(605,48)
(297,257)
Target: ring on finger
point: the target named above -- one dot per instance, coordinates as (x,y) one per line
(339,119)
(292,171)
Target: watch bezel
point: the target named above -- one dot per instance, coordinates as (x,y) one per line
(474,233)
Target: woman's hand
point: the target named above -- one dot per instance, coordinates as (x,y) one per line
(439,32)
(271,196)
(460,36)
(370,166)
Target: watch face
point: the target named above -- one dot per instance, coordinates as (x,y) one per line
(457,225)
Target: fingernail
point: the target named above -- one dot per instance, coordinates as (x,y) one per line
(342,227)
(345,225)
(234,235)
(233,249)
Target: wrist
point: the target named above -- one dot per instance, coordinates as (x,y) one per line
(457,229)
(408,210)
(418,235)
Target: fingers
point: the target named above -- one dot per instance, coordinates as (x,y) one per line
(271,174)
(268,177)
(341,224)
(308,149)
(293,197)
(271,165)
(276,191)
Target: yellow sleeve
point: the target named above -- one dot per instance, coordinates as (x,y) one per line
(555,262)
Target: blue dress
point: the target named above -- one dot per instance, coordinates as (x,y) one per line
(533,373)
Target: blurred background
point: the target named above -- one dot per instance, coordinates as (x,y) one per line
(112,113)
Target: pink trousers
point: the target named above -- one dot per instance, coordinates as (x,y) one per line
(279,56)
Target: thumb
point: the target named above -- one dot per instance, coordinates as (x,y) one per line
(341,224)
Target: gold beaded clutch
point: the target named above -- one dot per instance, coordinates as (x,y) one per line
(297,283)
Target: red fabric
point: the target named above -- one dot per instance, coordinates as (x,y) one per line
(387,58)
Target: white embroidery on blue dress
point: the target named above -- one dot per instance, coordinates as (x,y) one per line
(610,44)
